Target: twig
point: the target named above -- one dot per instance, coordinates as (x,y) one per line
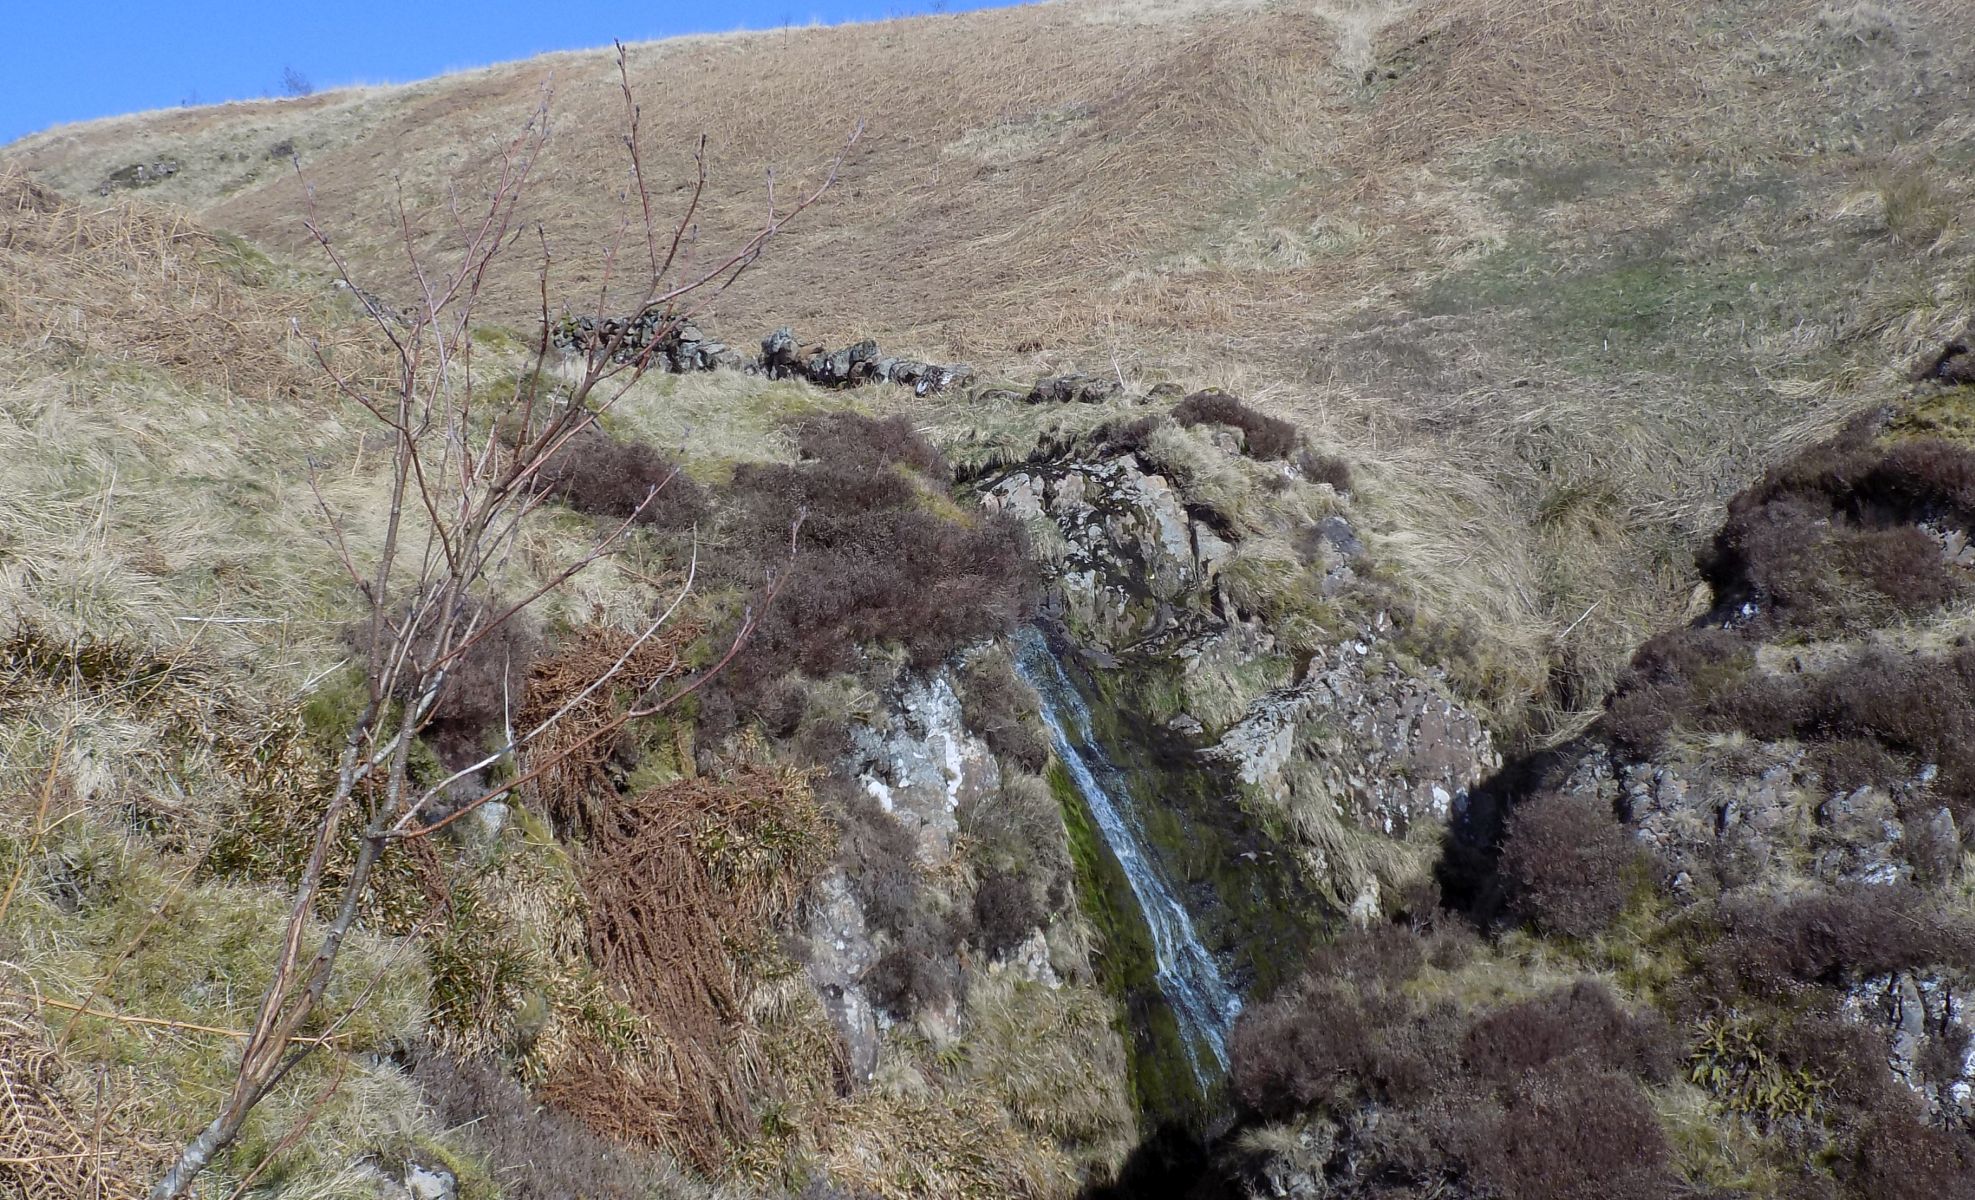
(294,1134)
(157,1022)
(1581,618)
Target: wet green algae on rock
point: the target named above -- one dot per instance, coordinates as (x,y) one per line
(1253,911)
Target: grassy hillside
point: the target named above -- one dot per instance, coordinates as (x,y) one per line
(1557,278)
(175,676)
(1567,273)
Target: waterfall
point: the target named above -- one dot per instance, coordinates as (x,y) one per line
(1188,977)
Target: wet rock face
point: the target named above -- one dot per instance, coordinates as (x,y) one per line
(1387,745)
(1138,570)
(1355,730)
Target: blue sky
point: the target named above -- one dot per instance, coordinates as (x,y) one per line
(61,65)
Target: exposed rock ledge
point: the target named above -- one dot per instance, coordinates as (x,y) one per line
(1388,742)
(1358,736)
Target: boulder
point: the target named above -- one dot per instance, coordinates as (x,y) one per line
(138,175)
(1074,389)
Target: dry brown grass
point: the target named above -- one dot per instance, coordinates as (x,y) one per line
(1215,193)
(51,1147)
(574,793)
(132,282)
(686,891)
(687,886)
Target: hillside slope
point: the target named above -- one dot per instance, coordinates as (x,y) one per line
(1542,285)
(1567,274)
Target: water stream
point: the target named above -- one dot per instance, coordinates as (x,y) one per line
(1202,1002)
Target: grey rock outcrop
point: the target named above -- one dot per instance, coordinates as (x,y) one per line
(841,949)
(138,175)
(1383,743)
(922,765)
(1775,809)
(1357,733)
(1768,815)
(1930,1031)
(1137,570)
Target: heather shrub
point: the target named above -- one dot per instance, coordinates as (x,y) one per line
(1671,677)
(1566,1133)
(1777,946)
(1827,539)
(1378,957)
(1807,570)
(812,718)
(1330,1049)
(916,970)
(1005,910)
(483,686)
(1706,659)
(1017,834)
(1569,864)
(1263,436)
(1582,1020)
(1325,468)
(1946,1050)
(998,706)
(1874,718)
(1344,1034)
(1899,1158)
(1763,706)
(926,583)
(880,555)
(594,473)
(1540,1098)
(847,437)
(1124,436)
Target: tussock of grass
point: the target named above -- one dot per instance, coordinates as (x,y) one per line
(1346,860)
(1053,1060)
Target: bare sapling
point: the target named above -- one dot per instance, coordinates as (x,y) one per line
(466,471)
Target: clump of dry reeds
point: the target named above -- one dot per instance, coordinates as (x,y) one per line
(686,886)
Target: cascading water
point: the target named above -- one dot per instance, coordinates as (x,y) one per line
(1202,1002)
